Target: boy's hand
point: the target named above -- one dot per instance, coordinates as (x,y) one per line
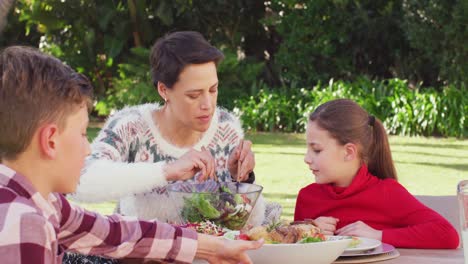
(326,224)
(189,164)
(359,228)
(241,154)
(220,250)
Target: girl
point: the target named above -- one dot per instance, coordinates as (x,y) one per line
(356,191)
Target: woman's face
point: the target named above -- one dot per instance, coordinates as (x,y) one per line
(192,99)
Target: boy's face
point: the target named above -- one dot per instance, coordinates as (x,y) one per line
(72,149)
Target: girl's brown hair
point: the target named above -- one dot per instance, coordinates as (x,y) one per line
(348,122)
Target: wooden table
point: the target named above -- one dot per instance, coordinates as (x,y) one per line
(407,256)
(427,256)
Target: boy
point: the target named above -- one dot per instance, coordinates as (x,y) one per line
(43,115)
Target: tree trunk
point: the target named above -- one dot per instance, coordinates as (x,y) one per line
(5,6)
(134,17)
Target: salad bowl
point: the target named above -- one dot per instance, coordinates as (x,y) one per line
(227,204)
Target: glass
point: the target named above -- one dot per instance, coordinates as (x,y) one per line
(462,192)
(227,204)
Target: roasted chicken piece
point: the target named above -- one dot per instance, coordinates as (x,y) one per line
(283,233)
(259,232)
(306,229)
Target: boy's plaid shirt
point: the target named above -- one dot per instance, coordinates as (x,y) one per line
(36,230)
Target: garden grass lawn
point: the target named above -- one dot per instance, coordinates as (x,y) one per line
(425,166)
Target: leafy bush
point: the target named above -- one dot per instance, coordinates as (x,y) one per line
(285,42)
(271,110)
(404,111)
(132,86)
(420,41)
(453,112)
(95,37)
(338,39)
(437,33)
(302,42)
(237,78)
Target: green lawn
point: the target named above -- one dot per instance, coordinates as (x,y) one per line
(429,166)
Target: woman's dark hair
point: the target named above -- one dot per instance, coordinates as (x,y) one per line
(171,53)
(348,122)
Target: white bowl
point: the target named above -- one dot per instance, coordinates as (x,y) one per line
(318,253)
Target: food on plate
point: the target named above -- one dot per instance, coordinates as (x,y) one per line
(206,227)
(355,241)
(284,233)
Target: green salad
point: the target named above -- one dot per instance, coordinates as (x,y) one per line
(223,208)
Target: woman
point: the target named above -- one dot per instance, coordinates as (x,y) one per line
(143,148)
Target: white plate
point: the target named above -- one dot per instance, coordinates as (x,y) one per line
(366,244)
(382,249)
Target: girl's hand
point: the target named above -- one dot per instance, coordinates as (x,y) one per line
(326,224)
(189,164)
(241,154)
(359,228)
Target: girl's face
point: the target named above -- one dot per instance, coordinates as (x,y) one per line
(329,161)
(192,99)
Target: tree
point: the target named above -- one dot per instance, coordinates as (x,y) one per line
(5,6)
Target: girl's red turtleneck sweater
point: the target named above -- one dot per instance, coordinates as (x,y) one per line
(383,205)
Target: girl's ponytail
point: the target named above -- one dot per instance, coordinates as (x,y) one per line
(380,162)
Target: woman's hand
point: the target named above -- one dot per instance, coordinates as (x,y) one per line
(242,158)
(359,228)
(326,224)
(189,164)
(220,250)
